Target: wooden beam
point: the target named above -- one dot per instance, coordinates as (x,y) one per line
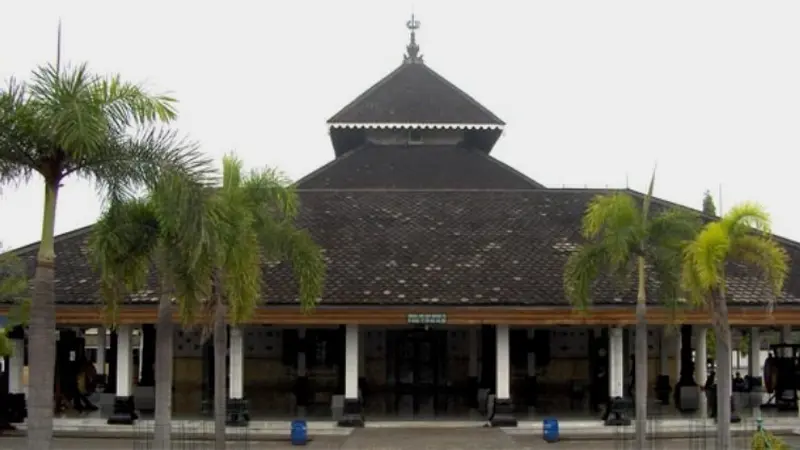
(520,316)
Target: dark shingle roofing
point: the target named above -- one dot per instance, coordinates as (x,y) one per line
(414,94)
(384,247)
(416,167)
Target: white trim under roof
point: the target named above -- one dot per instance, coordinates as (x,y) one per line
(431,126)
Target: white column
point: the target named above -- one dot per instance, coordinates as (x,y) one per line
(503,387)
(124,361)
(677,344)
(663,352)
(700,365)
(236,366)
(472,369)
(101,350)
(616,375)
(754,353)
(141,352)
(351,360)
(16,367)
(362,355)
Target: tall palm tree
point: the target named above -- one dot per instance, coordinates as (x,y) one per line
(743,236)
(257,212)
(169,232)
(623,240)
(72,123)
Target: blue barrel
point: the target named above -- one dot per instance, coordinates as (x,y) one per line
(299,433)
(550,430)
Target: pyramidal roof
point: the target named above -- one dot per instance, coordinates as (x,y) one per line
(414,96)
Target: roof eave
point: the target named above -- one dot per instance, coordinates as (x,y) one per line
(412,126)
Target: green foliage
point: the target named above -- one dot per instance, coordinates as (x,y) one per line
(617,231)
(709,208)
(742,235)
(72,122)
(205,241)
(764,440)
(14,291)
(172,230)
(257,213)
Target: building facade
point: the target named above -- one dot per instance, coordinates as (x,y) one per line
(444,292)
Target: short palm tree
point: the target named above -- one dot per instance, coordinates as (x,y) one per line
(72,123)
(169,232)
(257,212)
(625,242)
(743,236)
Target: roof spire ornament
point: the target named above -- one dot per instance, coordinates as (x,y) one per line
(412,55)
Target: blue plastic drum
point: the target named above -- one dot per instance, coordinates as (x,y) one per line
(550,431)
(299,432)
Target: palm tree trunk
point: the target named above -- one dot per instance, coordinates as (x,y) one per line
(220,375)
(164,361)
(42,327)
(723,341)
(640,351)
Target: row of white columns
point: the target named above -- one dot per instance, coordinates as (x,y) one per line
(354,360)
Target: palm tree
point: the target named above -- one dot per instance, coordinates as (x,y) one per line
(743,236)
(170,232)
(257,214)
(624,241)
(710,210)
(72,123)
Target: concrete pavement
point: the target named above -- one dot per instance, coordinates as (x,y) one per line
(404,439)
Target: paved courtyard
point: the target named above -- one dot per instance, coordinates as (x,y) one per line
(403,439)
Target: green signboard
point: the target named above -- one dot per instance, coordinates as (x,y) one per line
(427,319)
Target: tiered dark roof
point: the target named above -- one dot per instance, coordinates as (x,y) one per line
(427,224)
(415,94)
(458,247)
(416,167)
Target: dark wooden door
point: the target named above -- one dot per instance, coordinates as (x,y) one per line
(420,371)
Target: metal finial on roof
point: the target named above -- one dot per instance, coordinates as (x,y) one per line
(412,49)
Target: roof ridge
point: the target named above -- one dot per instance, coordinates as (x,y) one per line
(472,100)
(781,239)
(483,115)
(56,239)
(505,166)
(366,93)
(327,165)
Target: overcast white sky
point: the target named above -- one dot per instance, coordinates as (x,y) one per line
(594,92)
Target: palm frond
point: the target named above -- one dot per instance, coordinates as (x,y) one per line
(121,249)
(580,272)
(704,258)
(765,255)
(610,212)
(665,270)
(615,223)
(308,267)
(746,217)
(127,103)
(672,229)
(18,158)
(129,163)
(271,193)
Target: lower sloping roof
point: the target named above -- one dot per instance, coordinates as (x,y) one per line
(395,247)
